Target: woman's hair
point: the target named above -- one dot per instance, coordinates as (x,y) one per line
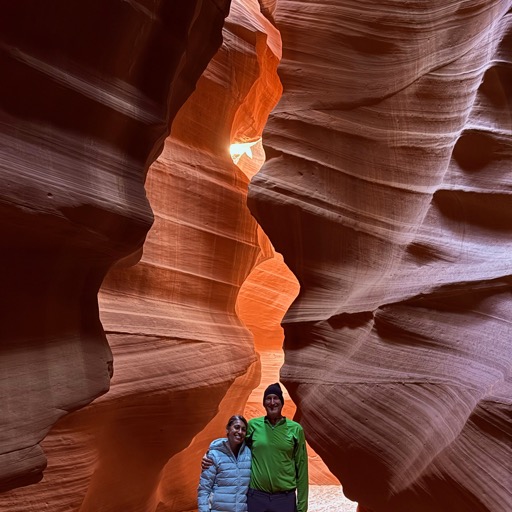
(234,418)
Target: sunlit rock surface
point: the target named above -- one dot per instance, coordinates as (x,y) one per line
(387,190)
(86,103)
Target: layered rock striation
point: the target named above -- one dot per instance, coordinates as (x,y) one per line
(386,189)
(86,105)
(388,193)
(184,360)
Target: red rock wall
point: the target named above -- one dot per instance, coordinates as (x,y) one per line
(184,361)
(85,107)
(387,190)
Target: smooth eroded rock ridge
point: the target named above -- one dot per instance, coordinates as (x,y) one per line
(387,190)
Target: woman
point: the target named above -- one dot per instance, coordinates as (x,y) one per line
(223,486)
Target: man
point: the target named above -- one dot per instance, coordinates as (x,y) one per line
(279,459)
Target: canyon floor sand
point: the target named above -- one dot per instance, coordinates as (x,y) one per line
(329,498)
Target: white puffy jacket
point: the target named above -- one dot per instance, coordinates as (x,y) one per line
(223,486)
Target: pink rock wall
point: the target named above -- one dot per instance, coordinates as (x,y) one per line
(387,191)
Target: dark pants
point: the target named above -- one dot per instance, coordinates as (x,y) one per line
(259,501)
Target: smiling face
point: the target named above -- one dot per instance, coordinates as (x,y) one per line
(273,406)
(236,432)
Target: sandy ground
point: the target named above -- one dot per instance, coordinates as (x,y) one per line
(329,498)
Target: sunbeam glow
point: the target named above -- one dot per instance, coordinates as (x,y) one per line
(238,149)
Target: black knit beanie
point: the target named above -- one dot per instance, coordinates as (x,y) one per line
(274,389)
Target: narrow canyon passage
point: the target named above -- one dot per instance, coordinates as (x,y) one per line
(263,300)
(145,295)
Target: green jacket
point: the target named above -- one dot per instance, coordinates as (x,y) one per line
(279,458)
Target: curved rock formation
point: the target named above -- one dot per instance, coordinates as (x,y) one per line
(85,108)
(387,192)
(183,359)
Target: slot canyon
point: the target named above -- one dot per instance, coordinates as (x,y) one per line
(355,243)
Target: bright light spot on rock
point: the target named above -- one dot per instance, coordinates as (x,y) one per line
(239,149)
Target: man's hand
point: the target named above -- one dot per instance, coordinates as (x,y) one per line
(206,462)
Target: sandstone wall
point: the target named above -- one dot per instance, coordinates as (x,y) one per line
(182,357)
(387,190)
(79,127)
